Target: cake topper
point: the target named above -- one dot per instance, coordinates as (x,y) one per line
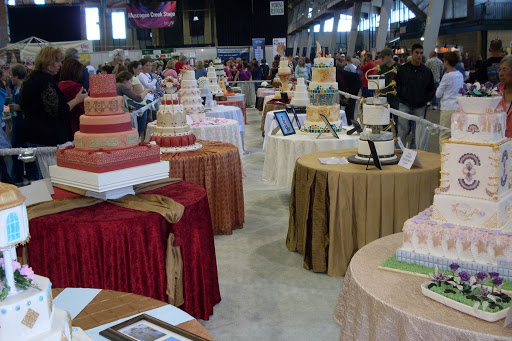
(318,49)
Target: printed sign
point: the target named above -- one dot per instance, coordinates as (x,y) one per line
(151,15)
(276,7)
(258,45)
(235,52)
(279,47)
(409,157)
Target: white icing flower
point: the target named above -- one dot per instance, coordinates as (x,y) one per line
(477,85)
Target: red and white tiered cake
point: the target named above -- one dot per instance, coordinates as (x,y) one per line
(107,159)
(106,140)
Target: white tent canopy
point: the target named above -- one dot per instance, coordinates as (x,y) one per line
(29,47)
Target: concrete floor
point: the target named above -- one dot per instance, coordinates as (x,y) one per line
(266,292)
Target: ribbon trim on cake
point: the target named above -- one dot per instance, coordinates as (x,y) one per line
(105,128)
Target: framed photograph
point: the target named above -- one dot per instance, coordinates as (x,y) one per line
(375,156)
(328,125)
(284,97)
(147,328)
(284,122)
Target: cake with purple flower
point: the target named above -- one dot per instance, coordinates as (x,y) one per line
(470,221)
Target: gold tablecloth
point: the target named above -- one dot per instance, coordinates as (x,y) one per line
(337,209)
(109,306)
(377,304)
(217,168)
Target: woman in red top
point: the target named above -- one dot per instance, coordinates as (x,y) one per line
(70,75)
(367,65)
(505,86)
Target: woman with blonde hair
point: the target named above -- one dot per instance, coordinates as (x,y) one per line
(170,70)
(43,103)
(119,68)
(200,70)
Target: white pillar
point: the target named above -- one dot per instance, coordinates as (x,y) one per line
(352,38)
(382,31)
(435,12)
(334,34)
(303,41)
(310,41)
(295,41)
(9,273)
(321,33)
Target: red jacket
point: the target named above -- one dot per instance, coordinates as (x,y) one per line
(508,130)
(178,66)
(70,90)
(366,67)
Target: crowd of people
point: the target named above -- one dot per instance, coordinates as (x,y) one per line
(46,102)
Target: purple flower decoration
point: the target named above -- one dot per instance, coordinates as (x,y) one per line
(489,85)
(472,87)
(494,274)
(495,232)
(497,281)
(449,225)
(417,220)
(462,91)
(464,276)
(431,222)
(483,292)
(481,276)
(454,267)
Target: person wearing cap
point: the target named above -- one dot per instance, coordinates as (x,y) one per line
(387,63)
(415,87)
(73,53)
(488,70)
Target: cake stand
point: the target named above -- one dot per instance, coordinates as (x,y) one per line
(110,185)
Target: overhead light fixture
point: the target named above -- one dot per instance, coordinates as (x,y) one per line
(422,38)
(196,18)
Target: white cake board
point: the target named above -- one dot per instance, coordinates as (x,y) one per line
(110,185)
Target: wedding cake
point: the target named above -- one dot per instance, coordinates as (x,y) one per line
(190,96)
(284,67)
(212,78)
(219,68)
(25,314)
(323,96)
(301,95)
(376,117)
(470,221)
(172,133)
(106,140)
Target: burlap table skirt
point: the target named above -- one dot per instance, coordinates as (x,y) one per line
(337,209)
(269,107)
(377,304)
(109,306)
(217,168)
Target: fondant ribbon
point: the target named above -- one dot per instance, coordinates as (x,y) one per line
(105,128)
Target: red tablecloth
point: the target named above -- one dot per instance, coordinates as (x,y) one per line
(110,247)
(235,103)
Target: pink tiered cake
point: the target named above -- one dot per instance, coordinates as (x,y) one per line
(172,133)
(106,140)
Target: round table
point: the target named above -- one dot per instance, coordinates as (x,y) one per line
(261,93)
(211,129)
(235,103)
(283,151)
(337,209)
(271,123)
(109,306)
(216,167)
(377,304)
(112,247)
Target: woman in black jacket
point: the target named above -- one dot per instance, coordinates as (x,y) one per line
(46,110)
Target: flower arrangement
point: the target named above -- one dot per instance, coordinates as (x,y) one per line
(170,83)
(23,278)
(480,291)
(479,90)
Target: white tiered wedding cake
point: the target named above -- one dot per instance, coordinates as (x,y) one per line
(301,95)
(470,222)
(190,96)
(212,78)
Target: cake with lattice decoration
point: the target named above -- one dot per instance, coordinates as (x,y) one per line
(106,140)
(470,221)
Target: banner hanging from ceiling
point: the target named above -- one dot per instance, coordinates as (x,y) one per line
(152,15)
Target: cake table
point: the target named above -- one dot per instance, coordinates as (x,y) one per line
(109,306)
(283,151)
(235,103)
(261,93)
(111,247)
(271,123)
(216,167)
(377,304)
(272,105)
(337,209)
(223,130)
